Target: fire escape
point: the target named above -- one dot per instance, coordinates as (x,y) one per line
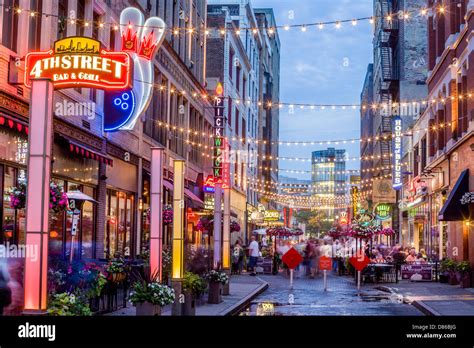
(386,45)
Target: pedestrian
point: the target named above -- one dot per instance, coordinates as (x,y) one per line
(412,256)
(315,256)
(5,291)
(336,251)
(254,252)
(237,258)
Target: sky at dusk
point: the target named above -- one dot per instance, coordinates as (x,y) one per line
(321,66)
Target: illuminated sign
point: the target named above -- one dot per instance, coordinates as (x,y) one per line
(210,184)
(271,215)
(397,153)
(364,218)
(383,211)
(140,39)
(355,200)
(219,123)
(79,62)
(343,218)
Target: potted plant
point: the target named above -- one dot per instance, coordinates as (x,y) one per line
(193,286)
(444,271)
(149,296)
(216,280)
(464,274)
(68,304)
(167,214)
(116,271)
(453,279)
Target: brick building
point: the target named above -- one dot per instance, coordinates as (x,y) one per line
(443,141)
(114,168)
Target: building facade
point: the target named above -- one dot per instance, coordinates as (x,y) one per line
(111,167)
(443,141)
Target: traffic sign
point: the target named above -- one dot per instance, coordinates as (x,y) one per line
(292,258)
(359,261)
(325,263)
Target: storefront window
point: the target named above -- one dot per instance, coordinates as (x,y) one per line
(119,229)
(13,220)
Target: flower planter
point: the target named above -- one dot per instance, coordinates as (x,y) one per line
(117,277)
(148,309)
(464,280)
(444,278)
(453,279)
(189,307)
(226,289)
(215,293)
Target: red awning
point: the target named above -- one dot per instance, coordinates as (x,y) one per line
(9,122)
(88,153)
(168,185)
(193,197)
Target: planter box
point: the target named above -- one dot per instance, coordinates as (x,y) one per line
(443,278)
(453,279)
(215,293)
(189,307)
(148,309)
(464,280)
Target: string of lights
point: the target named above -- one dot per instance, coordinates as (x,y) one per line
(176,30)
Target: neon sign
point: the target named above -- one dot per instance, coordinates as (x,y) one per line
(383,211)
(79,62)
(140,39)
(397,153)
(210,184)
(219,123)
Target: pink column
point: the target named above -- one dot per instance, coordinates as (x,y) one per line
(156,211)
(37,195)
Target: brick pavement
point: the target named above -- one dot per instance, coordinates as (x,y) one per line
(243,289)
(434,298)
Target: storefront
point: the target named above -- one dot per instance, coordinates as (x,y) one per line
(74,169)
(120,210)
(13,152)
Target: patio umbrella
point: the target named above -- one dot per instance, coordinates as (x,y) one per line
(260,231)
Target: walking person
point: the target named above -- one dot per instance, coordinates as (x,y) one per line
(336,251)
(315,255)
(5,291)
(254,252)
(237,258)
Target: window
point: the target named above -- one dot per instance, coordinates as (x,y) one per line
(34,35)
(80,14)
(423,153)
(244,86)
(229,111)
(96,18)
(119,227)
(112,38)
(231,64)
(237,78)
(10,24)
(237,121)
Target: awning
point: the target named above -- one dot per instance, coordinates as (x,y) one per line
(9,122)
(197,202)
(85,152)
(453,210)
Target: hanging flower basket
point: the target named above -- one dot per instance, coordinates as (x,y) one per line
(58,201)
(205,224)
(279,232)
(234,226)
(18,197)
(358,231)
(386,232)
(167,215)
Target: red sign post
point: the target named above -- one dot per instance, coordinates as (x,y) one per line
(292,259)
(325,263)
(359,261)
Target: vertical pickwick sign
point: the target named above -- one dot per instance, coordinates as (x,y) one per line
(397,153)
(219,123)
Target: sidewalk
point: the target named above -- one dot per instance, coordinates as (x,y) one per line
(243,289)
(437,299)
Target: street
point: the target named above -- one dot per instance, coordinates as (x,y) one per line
(309,298)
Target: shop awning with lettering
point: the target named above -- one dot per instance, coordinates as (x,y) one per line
(453,209)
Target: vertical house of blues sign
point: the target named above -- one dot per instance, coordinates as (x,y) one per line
(219,123)
(397,153)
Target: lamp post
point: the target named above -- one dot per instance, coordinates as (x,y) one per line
(177,269)
(37,195)
(156,212)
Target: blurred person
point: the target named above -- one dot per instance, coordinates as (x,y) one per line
(411,256)
(254,253)
(316,254)
(5,291)
(237,258)
(336,251)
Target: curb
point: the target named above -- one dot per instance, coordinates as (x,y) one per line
(425,309)
(236,308)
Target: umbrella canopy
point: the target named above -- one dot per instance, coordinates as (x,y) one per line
(260,231)
(80,195)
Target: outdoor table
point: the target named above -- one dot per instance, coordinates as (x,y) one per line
(381,270)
